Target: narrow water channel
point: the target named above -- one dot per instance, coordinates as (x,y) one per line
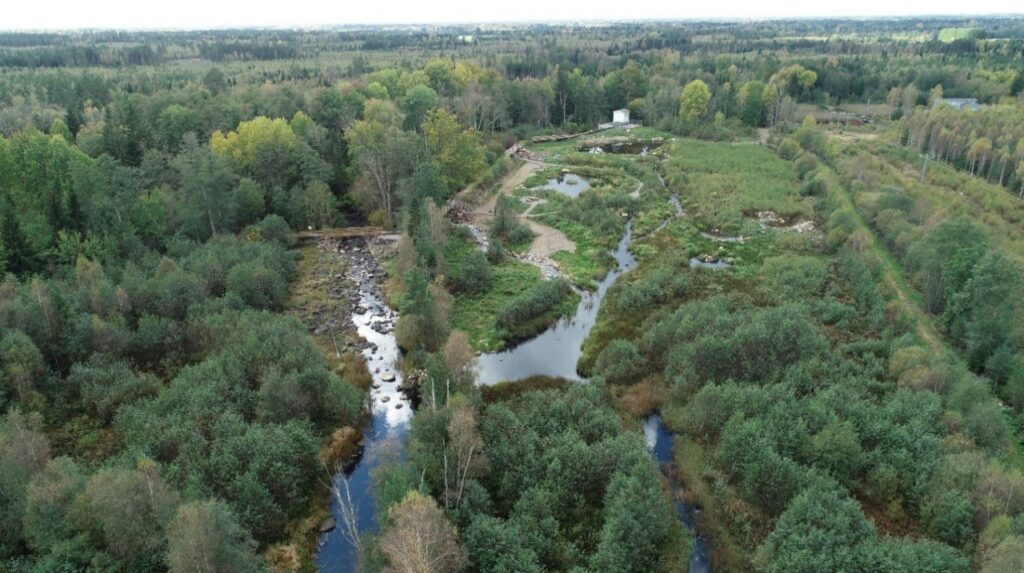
(659,440)
(384,435)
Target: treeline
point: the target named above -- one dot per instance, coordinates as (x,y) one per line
(988,143)
(965,263)
(535,76)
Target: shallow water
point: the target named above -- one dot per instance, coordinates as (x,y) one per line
(384,435)
(568,184)
(696,263)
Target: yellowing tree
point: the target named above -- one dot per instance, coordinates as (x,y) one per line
(694,101)
(262,148)
(253,140)
(421,539)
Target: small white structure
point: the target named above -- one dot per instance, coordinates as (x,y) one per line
(620,116)
(961,103)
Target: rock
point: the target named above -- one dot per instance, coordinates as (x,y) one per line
(385,399)
(388,376)
(328,525)
(399,406)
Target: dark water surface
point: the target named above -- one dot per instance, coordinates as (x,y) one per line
(659,442)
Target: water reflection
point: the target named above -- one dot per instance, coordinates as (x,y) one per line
(568,184)
(659,439)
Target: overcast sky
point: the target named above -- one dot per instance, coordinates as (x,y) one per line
(176,14)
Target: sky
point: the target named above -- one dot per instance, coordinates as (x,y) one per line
(201,14)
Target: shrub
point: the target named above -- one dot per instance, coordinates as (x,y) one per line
(256,285)
(473,276)
(620,362)
(495,251)
(536,301)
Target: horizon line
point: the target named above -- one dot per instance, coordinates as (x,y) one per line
(555,22)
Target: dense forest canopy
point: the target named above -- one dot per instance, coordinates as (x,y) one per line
(845,385)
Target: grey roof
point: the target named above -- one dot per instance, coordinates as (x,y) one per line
(970,103)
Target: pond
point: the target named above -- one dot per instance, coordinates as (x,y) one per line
(698,263)
(631,147)
(568,184)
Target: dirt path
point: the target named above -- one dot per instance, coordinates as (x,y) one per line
(548,240)
(893,277)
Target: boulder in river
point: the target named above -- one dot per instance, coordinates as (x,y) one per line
(388,376)
(328,525)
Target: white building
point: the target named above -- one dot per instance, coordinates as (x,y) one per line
(620,116)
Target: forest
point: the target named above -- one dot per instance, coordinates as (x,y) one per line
(371,299)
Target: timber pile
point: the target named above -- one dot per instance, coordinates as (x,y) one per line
(457,211)
(342,233)
(566,136)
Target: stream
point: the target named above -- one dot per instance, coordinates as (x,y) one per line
(658,440)
(555,352)
(390,413)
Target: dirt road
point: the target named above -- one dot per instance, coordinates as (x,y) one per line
(548,240)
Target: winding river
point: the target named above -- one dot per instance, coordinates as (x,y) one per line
(555,352)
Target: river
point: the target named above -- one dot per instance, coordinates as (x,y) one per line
(555,352)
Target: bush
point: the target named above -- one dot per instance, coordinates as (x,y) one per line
(256,285)
(520,235)
(620,362)
(536,301)
(495,251)
(272,228)
(473,276)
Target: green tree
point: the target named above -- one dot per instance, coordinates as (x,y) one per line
(416,103)
(130,509)
(821,530)
(456,150)
(207,183)
(24,452)
(637,522)
(50,502)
